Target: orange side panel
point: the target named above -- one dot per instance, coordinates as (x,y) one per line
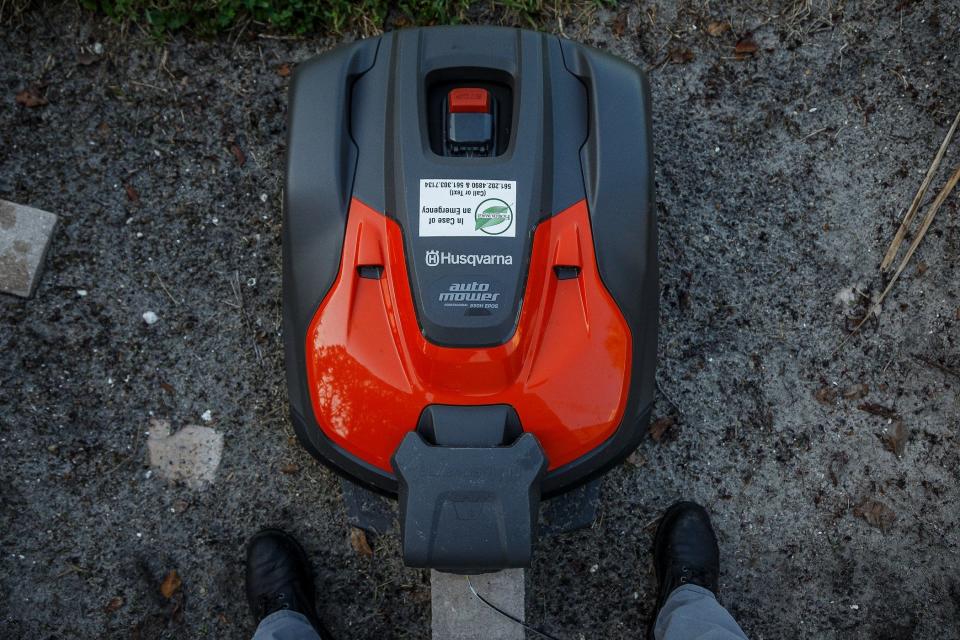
(566,370)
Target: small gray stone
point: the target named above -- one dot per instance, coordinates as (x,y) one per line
(191,455)
(25,234)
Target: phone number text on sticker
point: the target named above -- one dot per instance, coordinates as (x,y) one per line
(468,208)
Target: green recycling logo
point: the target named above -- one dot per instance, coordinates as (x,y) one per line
(493,217)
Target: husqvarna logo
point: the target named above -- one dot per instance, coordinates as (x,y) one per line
(435,258)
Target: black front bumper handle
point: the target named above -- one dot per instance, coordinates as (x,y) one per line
(468,509)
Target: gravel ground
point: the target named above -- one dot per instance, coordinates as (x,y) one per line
(781,178)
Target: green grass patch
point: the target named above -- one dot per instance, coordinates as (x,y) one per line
(298,17)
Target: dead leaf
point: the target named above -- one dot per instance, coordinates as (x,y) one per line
(825,395)
(680,56)
(170,585)
(180,505)
(289,469)
(745,47)
(86,58)
(897,440)
(619,24)
(132,194)
(166,386)
(856,391)
(283,70)
(717,28)
(114,604)
(838,463)
(922,268)
(31,98)
(878,410)
(103,128)
(238,153)
(358,540)
(875,513)
(660,427)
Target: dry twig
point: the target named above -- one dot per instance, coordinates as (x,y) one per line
(915,205)
(927,221)
(938,366)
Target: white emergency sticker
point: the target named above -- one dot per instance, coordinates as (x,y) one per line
(472,208)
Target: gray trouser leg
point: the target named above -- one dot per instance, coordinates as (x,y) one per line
(693,613)
(285,625)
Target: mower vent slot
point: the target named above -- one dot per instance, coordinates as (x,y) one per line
(566,272)
(370,271)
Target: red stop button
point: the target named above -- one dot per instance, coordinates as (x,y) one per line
(468,100)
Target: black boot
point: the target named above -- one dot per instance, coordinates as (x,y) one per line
(279,577)
(685,551)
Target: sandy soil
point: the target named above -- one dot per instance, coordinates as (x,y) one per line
(781,177)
